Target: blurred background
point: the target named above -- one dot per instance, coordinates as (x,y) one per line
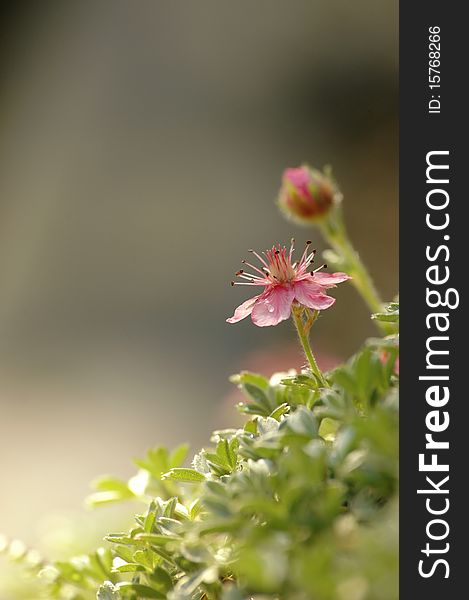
(142,145)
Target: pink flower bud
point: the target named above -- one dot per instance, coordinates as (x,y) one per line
(306,194)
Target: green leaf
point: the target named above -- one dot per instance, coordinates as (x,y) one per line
(170,526)
(161,579)
(195,508)
(279,411)
(328,429)
(302,422)
(150,518)
(156,538)
(391,315)
(344,378)
(363,371)
(124,553)
(121,538)
(223,451)
(225,458)
(184,475)
(109,489)
(251,426)
(385,317)
(188,584)
(101,562)
(256,388)
(156,462)
(128,568)
(145,558)
(178,456)
(142,591)
(196,553)
(169,507)
(250,378)
(301,381)
(258,395)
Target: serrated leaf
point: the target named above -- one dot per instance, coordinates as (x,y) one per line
(246,377)
(185,475)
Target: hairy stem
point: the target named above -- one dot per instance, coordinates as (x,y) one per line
(303,328)
(333,229)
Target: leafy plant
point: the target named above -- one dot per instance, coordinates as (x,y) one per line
(300,503)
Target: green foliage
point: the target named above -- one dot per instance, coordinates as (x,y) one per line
(300,503)
(390,315)
(147,482)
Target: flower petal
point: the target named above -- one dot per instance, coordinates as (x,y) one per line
(273,306)
(298,176)
(243,310)
(308,294)
(329,279)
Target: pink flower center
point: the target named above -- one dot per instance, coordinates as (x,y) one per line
(277,267)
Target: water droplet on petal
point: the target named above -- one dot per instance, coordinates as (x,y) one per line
(270,308)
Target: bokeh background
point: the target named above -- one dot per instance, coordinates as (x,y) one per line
(141,148)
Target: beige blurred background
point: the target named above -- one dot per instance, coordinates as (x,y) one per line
(141,147)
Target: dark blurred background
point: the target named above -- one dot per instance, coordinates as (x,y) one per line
(141,148)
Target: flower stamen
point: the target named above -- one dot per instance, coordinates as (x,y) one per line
(259,257)
(245,262)
(324,266)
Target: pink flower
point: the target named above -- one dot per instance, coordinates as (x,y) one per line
(285,283)
(306,194)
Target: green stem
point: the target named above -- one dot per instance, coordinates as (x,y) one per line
(333,229)
(312,316)
(303,334)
